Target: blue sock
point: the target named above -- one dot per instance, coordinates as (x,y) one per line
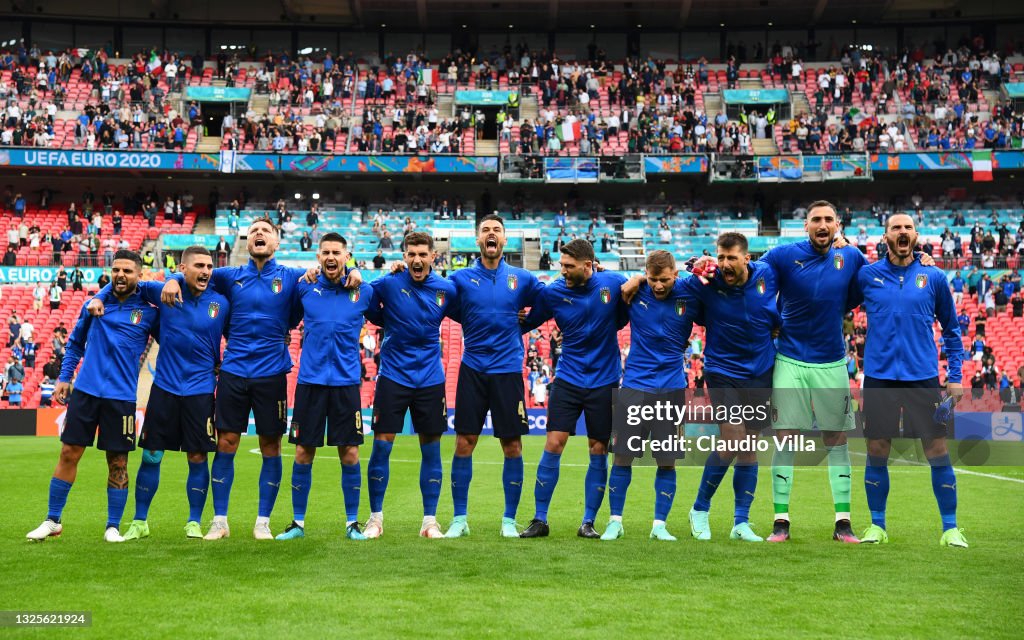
(146,483)
(876,486)
(744,484)
(270,483)
(431,476)
(116,500)
(618,484)
(462,475)
(944,486)
(58,498)
(547,478)
(302,478)
(197,484)
(222,476)
(377,474)
(512,481)
(664,492)
(594,486)
(714,470)
(350,476)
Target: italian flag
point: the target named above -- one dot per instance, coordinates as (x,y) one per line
(981,161)
(426,76)
(155,65)
(568,131)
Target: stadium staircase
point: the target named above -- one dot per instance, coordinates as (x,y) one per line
(799,104)
(764,146)
(446,105)
(259,104)
(750,83)
(486,147)
(528,109)
(205,226)
(631,250)
(991,97)
(712,104)
(239,253)
(531,253)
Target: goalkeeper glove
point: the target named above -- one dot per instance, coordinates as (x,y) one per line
(944,411)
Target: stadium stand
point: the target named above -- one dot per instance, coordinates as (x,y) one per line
(865,100)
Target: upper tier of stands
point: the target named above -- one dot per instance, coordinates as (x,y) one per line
(627,106)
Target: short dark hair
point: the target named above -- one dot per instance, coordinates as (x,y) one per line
(659,260)
(333,237)
(822,203)
(901,213)
(417,238)
(489,217)
(195,250)
(579,249)
(266,219)
(125,254)
(731,239)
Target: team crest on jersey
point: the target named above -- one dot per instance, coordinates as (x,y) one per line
(761,288)
(921,281)
(353,295)
(136,316)
(439,297)
(680,307)
(606,295)
(838,262)
(275,286)
(213,310)
(513,282)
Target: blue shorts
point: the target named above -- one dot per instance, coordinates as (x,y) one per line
(266,398)
(336,409)
(884,399)
(568,401)
(178,423)
(503,394)
(428,407)
(114,419)
(742,395)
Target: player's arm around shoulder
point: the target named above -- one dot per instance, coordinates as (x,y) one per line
(221,279)
(541,310)
(773,257)
(533,287)
(374,311)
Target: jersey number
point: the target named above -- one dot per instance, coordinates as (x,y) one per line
(128,425)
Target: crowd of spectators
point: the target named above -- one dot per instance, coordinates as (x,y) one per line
(647,104)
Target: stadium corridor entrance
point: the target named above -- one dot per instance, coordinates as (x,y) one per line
(489,131)
(213,116)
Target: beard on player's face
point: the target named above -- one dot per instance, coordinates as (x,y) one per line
(901,243)
(491,244)
(822,237)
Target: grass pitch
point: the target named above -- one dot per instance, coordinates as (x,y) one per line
(485,586)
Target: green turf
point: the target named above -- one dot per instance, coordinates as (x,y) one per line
(401,585)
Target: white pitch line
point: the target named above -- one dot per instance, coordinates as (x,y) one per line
(651,466)
(958,469)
